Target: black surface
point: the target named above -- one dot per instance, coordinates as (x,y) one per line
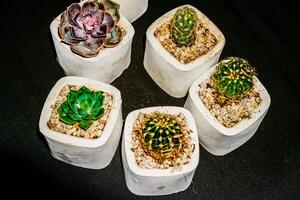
(266,167)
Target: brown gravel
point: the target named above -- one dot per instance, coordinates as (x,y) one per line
(94,131)
(232,112)
(204,42)
(146,161)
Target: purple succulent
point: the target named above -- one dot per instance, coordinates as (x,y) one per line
(90,27)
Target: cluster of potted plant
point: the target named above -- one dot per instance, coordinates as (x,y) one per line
(82,118)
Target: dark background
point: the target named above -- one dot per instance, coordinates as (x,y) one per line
(266,167)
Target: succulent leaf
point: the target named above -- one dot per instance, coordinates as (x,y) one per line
(64,30)
(86,27)
(114,37)
(94,44)
(96,112)
(84,51)
(85,124)
(109,22)
(89,8)
(183,26)
(78,34)
(73,11)
(82,107)
(67,120)
(233,77)
(111,7)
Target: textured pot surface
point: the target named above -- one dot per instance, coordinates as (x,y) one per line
(213,136)
(152,182)
(87,153)
(172,76)
(132,9)
(106,66)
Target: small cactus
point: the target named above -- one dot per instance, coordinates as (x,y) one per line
(183,26)
(162,137)
(82,107)
(233,77)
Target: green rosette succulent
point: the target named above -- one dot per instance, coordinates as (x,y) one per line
(234,77)
(161,137)
(82,107)
(183,26)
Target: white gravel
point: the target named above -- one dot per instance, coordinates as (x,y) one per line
(205,41)
(232,112)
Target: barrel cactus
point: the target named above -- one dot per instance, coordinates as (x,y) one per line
(82,107)
(233,77)
(162,137)
(183,26)
(90,27)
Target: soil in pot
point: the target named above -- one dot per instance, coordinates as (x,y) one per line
(161,140)
(94,131)
(233,97)
(184,41)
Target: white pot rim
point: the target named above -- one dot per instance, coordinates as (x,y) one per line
(241,126)
(140,13)
(104,52)
(73,140)
(189,167)
(170,58)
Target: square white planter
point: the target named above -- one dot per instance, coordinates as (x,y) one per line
(132,9)
(108,65)
(213,136)
(86,153)
(172,76)
(153,182)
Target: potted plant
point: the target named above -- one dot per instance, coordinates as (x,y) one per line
(180,46)
(92,40)
(160,150)
(133,9)
(228,103)
(82,122)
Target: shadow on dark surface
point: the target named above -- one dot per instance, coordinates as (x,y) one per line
(42,139)
(54,57)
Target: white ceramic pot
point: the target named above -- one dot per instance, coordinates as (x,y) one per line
(132,9)
(213,136)
(87,153)
(152,182)
(172,76)
(106,66)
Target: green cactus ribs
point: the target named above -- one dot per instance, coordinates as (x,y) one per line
(233,78)
(183,26)
(81,107)
(162,137)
